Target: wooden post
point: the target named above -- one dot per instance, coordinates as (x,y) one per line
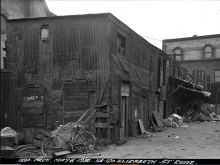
(108,121)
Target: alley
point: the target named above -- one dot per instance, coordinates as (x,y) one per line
(197,141)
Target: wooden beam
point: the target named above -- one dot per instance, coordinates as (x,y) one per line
(103,125)
(102,114)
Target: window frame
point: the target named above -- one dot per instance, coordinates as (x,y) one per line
(181,53)
(121,40)
(212,51)
(216,76)
(45,26)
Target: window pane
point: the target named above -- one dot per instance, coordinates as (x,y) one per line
(44,33)
(177,51)
(178,58)
(217,73)
(208,49)
(217,79)
(208,55)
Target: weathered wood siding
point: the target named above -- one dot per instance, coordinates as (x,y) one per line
(138,67)
(76,49)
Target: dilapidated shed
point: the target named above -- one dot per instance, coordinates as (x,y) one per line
(62,66)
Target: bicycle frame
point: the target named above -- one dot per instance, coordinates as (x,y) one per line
(73,136)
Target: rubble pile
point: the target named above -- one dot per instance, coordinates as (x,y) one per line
(201,112)
(173,120)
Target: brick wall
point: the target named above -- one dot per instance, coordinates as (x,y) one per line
(207,65)
(193,48)
(193,54)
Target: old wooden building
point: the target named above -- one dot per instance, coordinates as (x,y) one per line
(62,66)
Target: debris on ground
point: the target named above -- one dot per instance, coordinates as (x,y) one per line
(174,136)
(122,142)
(10,137)
(173,120)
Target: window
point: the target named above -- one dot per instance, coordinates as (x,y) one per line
(45,33)
(178,53)
(208,51)
(121,44)
(217,75)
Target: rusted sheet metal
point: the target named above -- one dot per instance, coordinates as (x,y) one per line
(76,48)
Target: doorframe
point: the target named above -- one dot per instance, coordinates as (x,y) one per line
(128,114)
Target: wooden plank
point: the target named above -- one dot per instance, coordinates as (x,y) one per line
(101,114)
(108,120)
(59,153)
(32,94)
(157,118)
(28,121)
(84,114)
(90,116)
(141,126)
(74,93)
(79,86)
(82,88)
(77,102)
(79,98)
(33,90)
(76,108)
(77,115)
(103,125)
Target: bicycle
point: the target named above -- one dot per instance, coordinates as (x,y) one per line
(81,140)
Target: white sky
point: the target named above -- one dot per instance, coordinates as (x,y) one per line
(155,19)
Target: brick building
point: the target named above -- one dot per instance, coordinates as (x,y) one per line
(201,56)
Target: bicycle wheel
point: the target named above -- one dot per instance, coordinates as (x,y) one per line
(85,142)
(50,144)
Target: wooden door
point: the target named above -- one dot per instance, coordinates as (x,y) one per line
(145,111)
(76,100)
(33,112)
(124,117)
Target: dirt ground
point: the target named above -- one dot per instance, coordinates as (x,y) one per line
(200,140)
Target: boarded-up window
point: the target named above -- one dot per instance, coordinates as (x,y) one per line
(121,44)
(32,114)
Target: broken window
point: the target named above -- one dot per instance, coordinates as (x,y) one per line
(45,33)
(121,44)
